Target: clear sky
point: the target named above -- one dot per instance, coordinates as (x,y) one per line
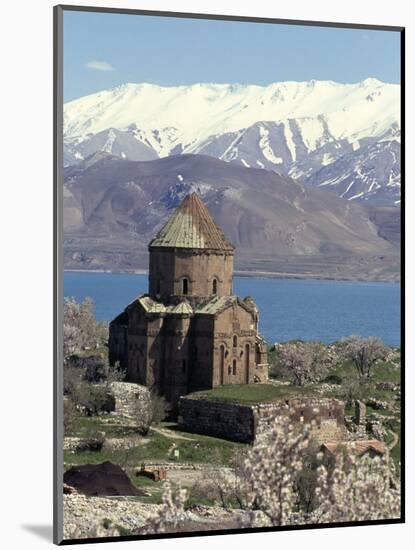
(103,50)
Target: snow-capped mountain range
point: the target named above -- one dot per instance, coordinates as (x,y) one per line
(343,137)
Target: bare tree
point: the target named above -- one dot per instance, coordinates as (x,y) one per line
(160,407)
(69,415)
(304,362)
(364,353)
(91,392)
(229,487)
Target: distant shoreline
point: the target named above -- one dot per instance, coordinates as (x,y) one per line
(251,274)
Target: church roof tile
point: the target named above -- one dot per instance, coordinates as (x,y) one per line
(192,226)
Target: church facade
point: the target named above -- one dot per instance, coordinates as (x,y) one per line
(190,332)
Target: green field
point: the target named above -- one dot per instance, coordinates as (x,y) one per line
(156,446)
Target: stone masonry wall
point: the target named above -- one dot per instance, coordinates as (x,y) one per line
(245,422)
(132,401)
(168,266)
(324,415)
(228,420)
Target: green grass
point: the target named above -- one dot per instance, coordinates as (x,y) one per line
(382,412)
(382,372)
(253,393)
(198,499)
(102,351)
(155,449)
(123,531)
(154,488)
(200,449)
(396,453)
(84,425)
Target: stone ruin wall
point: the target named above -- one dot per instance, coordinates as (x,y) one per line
(325,416)
(218,418)
(245,422)
(357,424)
(131,401)
(127,401)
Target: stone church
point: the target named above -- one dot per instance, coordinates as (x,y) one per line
(190,332)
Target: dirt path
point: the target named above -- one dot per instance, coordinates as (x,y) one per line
(187,478)
(171,435)
(394,440)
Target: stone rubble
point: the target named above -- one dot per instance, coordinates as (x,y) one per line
(86,517)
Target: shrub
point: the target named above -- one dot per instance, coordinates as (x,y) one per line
(334,379)
(353,389)
(93,442)
(160,408)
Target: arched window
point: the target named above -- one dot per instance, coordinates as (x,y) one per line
(234,366)
(185,286)
(214,286)
(222,363)
(247,350)
(257,354)
(235,341)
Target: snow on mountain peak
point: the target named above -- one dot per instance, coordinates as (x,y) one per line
(201,110)
(293,127)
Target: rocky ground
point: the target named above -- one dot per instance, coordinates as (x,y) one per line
(91,517)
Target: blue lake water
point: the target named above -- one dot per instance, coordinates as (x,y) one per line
(289,308)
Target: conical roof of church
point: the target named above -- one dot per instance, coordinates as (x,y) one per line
(191,226)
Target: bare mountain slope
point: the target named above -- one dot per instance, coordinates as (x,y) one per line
(113,207)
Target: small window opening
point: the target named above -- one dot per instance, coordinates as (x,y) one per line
(214,286)
(185,286)
(235,341)
(234,366)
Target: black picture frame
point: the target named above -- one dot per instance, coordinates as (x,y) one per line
(58,14)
